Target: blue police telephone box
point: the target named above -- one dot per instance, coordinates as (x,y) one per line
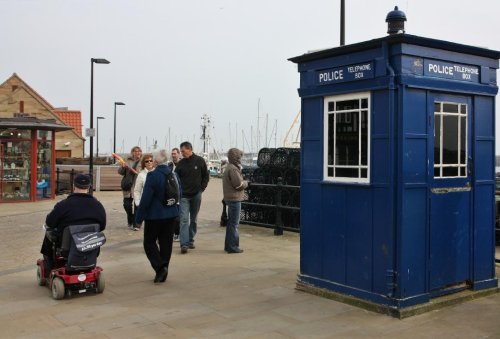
(398,170)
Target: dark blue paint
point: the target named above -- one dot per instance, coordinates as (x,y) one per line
(393,241)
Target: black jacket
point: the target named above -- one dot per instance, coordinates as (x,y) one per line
(193,173)
(76,209)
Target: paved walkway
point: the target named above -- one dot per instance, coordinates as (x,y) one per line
(208,293)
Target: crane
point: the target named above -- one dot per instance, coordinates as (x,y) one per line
(295,142)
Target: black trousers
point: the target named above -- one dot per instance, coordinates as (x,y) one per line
(158,237)
(128,205)
(177,227)
(223,217)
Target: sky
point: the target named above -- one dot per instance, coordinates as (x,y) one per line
(174,61)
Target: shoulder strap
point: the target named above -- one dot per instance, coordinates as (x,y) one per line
(134,166)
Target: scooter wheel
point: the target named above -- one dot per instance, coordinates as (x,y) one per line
(101,283)
(57,288)
(39,276)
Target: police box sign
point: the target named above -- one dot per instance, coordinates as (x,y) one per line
(345,73)
(448,70)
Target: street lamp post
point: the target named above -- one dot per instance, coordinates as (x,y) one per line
(117,103)
(91,163)
(98,118)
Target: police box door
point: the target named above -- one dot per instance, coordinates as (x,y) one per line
(450,193)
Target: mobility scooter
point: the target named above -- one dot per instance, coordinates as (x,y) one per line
(74,269)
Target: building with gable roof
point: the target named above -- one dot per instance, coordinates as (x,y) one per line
(32,135)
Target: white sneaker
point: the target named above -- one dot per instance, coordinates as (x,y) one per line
(176,237)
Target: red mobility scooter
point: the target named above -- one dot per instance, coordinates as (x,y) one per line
(74,269)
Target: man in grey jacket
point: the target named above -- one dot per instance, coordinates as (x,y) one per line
(233,187)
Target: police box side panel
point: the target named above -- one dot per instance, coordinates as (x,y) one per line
(358,218)
(413,190)
(355,239)
(311,230)
(311,139)
(382,183)
(484,186)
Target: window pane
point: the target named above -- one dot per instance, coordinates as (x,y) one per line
(13,133)
(450,171)
(347,172)
(44,135)
(16,170)
(331,135)
(437,139)
(463,139)
(347,143)
(364,138)
(462,172)
(463,109)
(450,108)
(450,140)
(347,140)
(437,107)
(347,105)
(437,172)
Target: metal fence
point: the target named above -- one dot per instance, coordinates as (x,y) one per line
(64,180)
(273,196)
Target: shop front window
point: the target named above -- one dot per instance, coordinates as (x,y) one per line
(15,161)
(44,169)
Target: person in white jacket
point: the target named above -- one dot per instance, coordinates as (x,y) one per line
(148,165)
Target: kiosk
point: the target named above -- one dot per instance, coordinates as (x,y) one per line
(397,170)
(27,164)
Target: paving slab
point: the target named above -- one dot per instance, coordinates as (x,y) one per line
(208,294)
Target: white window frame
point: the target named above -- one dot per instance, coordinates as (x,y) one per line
(459,115)
(326,166)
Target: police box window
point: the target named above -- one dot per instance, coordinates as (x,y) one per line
(450,140)
(347,142)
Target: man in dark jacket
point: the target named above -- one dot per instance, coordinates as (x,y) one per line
(193,174)
(159,218)
(79,208)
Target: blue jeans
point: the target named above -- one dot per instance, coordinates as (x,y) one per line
(232,241)
(189,208)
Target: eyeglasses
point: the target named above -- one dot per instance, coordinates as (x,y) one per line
(146,161)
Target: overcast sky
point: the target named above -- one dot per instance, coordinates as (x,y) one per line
(173,61)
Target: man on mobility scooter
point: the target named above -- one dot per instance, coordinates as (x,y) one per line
(71,243)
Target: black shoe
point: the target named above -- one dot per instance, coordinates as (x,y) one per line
(184,249)
(161,275)
(239,250)
(191,245)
